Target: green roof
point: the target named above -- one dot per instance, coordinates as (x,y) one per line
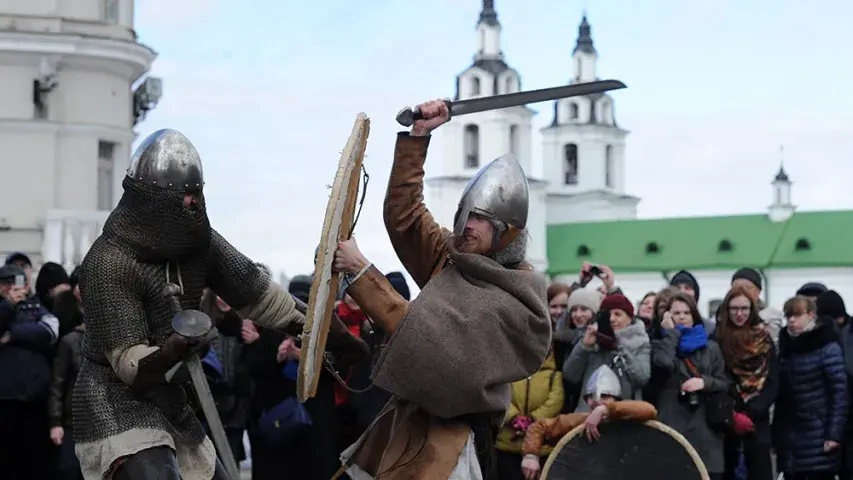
(808,239)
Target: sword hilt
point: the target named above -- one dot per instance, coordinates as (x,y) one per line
(408,116)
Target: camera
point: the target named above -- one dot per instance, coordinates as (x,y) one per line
(692,398)
(594,271)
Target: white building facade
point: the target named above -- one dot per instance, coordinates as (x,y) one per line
(584,166)
(67,111)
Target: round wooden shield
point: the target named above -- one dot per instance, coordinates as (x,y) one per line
(336,227)
(626,450)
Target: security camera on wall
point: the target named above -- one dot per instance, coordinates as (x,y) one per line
(47,74)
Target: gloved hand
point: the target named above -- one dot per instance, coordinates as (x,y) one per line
(152,369)
(742,424)
(348,348)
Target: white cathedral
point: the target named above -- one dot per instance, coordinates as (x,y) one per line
(581,212)
(582,128)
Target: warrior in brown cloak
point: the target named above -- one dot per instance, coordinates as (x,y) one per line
(479,323)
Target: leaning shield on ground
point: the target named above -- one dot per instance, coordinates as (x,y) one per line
(337,226)
(626,450)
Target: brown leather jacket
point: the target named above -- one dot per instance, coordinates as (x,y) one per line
(553,429)
(421,245)
(66,364)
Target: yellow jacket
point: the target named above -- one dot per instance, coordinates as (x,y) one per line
(539,397)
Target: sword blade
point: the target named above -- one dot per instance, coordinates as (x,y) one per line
(214,423)
(407,116)
(482,104)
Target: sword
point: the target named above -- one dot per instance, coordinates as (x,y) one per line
(408,115)
(196,324)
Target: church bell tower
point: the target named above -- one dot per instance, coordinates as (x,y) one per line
(474,140)
(584,150)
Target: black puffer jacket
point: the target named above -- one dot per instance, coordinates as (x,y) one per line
(66,364)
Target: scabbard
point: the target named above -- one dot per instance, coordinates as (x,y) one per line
(214,423)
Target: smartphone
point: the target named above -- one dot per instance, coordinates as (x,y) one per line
(19,281)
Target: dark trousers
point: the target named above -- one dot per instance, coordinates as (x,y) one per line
(756,455)
(69,465)
(25,448)
(846,472)
(509,466)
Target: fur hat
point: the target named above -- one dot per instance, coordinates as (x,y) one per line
(50,275)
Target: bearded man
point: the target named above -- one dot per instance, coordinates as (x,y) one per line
(479,323)
(130,420)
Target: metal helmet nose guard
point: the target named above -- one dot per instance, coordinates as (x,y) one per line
(498,191)
(167,159)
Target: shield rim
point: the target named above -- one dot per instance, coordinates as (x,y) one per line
(340,212)
(697,460)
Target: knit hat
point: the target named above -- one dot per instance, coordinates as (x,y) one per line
(812,289)
(831,304)
(686,278)
(617,301)
(300,287)
(585,297)
(398,281)
(22,257)
(750,274)
(50,275)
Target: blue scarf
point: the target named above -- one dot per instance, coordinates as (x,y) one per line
(692,339)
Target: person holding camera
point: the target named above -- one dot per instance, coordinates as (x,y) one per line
(27,335)
(694,368)
(616,339)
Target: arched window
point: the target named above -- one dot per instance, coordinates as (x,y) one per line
(514,140)
(573,111)
(475,86)
(472,146)
(570,162)
(608,166)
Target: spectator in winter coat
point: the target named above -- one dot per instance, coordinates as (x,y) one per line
(749,279)
(686,282)
(615,339)
(811,409)
(582,305)
(694,368)
(538,397)
(752,364)
(831,305)
(646,308)
(812,290)
(28,333)
(66,365)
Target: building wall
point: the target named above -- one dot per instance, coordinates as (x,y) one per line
(54,152)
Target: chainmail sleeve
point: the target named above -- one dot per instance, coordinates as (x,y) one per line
(248,287)
(116,320)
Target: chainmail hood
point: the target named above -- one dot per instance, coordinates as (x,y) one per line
(154,225)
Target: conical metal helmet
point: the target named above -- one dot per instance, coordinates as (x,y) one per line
(498,191)
(169,160)
(603,381)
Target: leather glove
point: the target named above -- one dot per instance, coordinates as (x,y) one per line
(742,424)
(152,369)
(349,348)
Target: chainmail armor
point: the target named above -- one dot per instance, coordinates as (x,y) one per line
(121,281)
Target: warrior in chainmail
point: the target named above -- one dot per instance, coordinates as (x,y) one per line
(130,422)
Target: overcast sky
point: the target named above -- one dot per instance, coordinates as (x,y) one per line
(268,94)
